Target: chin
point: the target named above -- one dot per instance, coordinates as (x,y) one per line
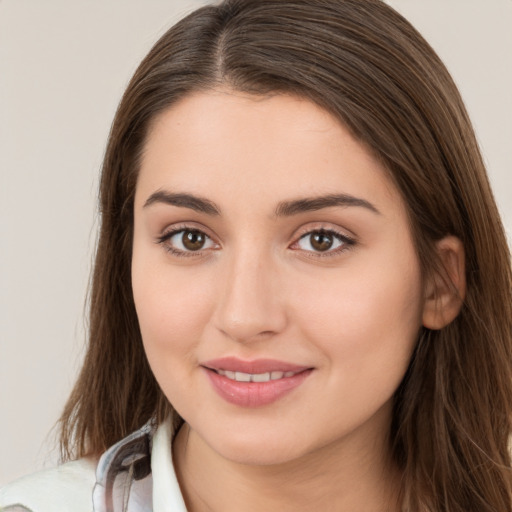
(258,454)
(257,448)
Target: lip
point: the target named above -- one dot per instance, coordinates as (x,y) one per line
(254,394)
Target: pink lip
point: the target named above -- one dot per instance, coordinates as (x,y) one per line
(254,394)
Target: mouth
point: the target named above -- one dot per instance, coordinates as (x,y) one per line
(255,377)
(254,383)
(231,366)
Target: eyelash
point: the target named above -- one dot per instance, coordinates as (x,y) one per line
(178,252)
(347,242)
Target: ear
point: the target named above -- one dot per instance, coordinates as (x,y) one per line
(445,290)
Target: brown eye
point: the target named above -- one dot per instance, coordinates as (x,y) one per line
(321,241)
(183,242)
(325,241)
(193,240)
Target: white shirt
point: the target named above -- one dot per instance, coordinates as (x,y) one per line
(134,475)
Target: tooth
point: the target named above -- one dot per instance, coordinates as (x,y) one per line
(242,377)
(254,377)
(260,377)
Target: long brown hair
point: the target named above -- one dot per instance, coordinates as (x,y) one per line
(364,63)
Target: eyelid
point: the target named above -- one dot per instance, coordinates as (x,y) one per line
(186,226)
(327,227)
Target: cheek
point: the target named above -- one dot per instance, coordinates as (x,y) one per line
(366,320)
(366,332)
(172,312)
(172,309)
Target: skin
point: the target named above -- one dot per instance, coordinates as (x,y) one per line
(258,288)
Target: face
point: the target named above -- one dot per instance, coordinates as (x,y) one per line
(275,279)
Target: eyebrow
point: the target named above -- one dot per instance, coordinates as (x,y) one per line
(308,204)
(183,200)
(283,209)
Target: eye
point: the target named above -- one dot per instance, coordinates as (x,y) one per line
(186,241)
(325,241)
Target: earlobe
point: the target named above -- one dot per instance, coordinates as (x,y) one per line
(445,290)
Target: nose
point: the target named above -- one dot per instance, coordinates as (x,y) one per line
(251,305)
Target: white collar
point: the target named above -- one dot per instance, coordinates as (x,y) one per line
(166,490)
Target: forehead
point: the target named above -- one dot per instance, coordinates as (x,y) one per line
(256,149)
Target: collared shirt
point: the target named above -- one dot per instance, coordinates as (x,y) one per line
(134,475)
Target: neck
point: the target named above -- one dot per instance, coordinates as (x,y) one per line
(344,476)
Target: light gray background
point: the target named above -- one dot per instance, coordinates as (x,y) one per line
(63,68)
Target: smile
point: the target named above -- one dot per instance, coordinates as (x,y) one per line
(254,383)
(254,377)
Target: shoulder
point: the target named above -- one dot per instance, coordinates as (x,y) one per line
(67,487)
(122,479)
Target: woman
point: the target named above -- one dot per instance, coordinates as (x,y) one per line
(301,281)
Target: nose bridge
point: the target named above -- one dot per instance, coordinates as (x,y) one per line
(250,303)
